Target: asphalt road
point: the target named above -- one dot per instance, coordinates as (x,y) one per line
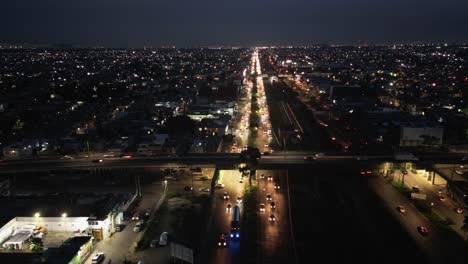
(437,246)
(337,218)
(222,219)
(445,209)
(274,237)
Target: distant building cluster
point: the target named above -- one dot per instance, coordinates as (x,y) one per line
(401,96)
(65,102)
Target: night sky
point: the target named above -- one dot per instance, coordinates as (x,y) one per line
(136,23)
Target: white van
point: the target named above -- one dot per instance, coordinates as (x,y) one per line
(138,227)
(163,239)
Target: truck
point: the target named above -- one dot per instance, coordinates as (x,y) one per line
(235,223)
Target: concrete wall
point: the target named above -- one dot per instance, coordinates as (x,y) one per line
(56,224)
(7,230)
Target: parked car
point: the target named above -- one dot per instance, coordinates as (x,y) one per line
(163,239)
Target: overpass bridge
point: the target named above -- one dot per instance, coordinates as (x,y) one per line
(219,160)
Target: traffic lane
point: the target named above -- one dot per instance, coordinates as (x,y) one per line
(410,220)
(222,219)
(118,246)
(274,236)
(445,209)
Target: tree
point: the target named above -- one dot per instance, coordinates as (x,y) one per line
(36,244)
(250,157)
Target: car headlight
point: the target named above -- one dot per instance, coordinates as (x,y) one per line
(232,235)
(219,244)
(224,243)
(237,235)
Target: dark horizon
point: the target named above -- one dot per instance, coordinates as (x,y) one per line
(128,24)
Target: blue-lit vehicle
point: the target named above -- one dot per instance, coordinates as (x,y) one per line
(235,223)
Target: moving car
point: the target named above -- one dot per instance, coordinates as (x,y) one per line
(309,158)
(442,198)
(225,196)
(188,188)
(458,210)
(219,185)
(262,176)
(270,178)
(277,186)
(228,207)
(261,207)
(204,189)
(272,205)
(98,160)
(401,209)
(239,199)
(136,216)
(272,218)
(268,197)
(416,189)
(98,258)
(222,241)
(423,230)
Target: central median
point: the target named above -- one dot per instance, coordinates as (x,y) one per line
(249,233)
